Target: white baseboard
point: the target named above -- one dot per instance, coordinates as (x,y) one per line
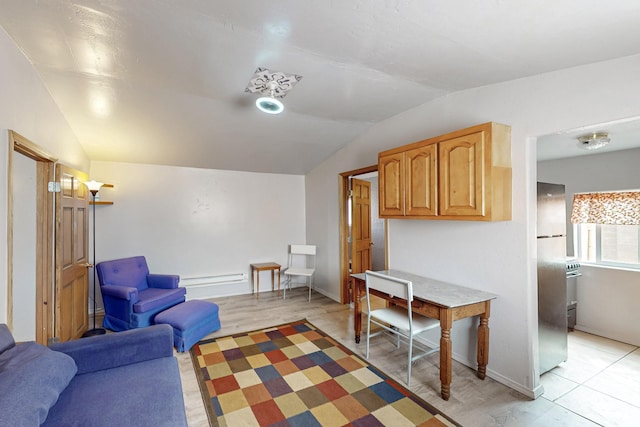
(326,294)
(623,338)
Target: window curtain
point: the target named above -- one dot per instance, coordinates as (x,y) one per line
(616,208)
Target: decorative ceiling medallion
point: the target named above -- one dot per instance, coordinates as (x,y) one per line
(260,82)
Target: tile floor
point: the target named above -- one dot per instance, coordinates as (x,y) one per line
(600,381)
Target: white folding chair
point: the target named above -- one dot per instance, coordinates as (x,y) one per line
(399,321)
(302,263)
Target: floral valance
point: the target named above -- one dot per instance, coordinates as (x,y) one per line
(617,208)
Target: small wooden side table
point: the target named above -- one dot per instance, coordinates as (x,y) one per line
(272,266)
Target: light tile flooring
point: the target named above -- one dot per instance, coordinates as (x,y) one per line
(600,381)
(599,385)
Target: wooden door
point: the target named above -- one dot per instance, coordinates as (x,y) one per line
(421,181)
(360,226)
(462,175)
(391,185)
(72,227)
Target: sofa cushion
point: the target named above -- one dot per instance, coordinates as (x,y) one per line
(31,379)
(151,298)
(131,272)
(6,339)
(124,348)
(142,394)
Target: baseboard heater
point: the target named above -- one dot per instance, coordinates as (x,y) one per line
(215,285)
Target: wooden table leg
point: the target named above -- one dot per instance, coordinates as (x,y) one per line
(357,310)
(278,281)
(446,321)
(253,270)
(258,283)
(483,342)
(272,281)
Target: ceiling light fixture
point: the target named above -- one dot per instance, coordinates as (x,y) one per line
(272,86)
(269,104)
(593,141)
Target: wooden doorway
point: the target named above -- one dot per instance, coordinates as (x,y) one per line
(44,256)
(345,258)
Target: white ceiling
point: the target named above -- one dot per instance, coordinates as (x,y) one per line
(624,135)
(162,81)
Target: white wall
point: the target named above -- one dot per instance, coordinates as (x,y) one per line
(617,170)
(27,108)
(4,161)
(198,222)
(24,248)
(607,298)
(608,303)
(497,257)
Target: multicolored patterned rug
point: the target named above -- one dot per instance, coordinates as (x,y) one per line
(295,375)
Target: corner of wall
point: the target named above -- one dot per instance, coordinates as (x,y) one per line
(4,157)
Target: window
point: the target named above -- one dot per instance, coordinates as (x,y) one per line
(614,245)
(607,228)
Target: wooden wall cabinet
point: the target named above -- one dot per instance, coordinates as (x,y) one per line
(407,181)
(463,175)
(391,184)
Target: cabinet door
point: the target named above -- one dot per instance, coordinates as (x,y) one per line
(391,185)
(461,162)
(421,181)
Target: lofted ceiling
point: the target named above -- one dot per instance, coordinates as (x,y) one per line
(162,81)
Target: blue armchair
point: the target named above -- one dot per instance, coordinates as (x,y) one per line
(132,296)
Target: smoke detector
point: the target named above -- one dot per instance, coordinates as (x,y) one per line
(593,141)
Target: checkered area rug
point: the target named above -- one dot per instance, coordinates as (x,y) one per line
(295,375)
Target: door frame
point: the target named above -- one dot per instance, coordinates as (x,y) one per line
(44,259)
(343,194)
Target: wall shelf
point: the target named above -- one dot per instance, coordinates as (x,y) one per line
(102,202)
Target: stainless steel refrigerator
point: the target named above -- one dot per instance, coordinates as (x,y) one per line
(552,283)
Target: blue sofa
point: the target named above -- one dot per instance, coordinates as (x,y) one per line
(128,378)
